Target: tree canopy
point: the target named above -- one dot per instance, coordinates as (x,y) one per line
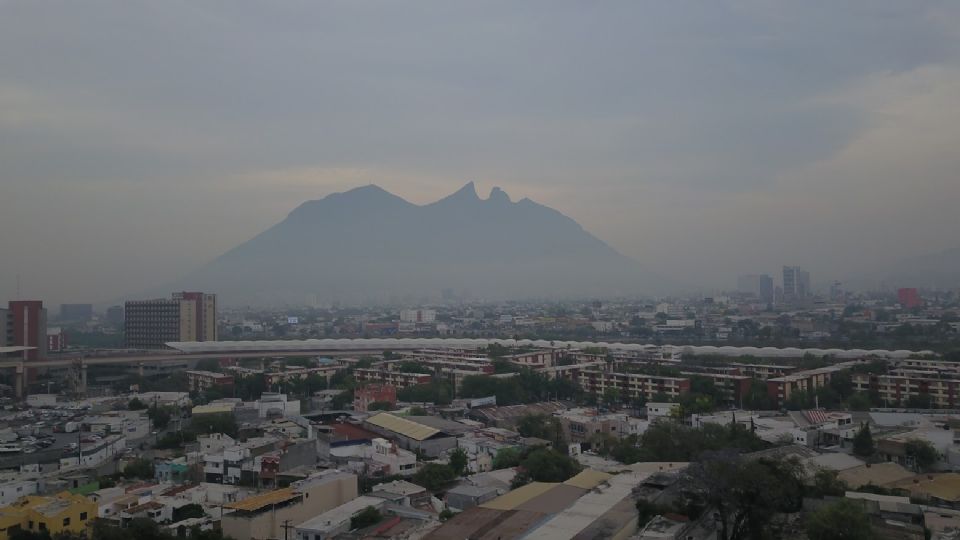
(843,519)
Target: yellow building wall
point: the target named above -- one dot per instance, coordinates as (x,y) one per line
(24,512)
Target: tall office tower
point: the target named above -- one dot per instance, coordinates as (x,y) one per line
(76,312)
(25,325)
(796,284)
(186,316)
(759,285)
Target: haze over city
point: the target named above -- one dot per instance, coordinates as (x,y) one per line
(138,142)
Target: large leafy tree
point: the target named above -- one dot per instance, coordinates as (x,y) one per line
(744,494)
(844,519)
(458,461)
(863,442)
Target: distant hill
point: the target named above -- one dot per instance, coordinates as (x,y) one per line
(368,245)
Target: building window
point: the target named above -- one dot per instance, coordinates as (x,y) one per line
(30,525)
(66,521)
(83,516)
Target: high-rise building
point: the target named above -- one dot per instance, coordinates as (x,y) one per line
(796,284)
(25,325)
(909,298)
(418,315)
(115,315)
(759,285)
(186,316)
(76,312)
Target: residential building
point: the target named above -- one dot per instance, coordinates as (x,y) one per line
(25,325)
(63,512)
(397,379)
(631,386)
(779,389)
(897,387)
(418,315)
(364,395)
(263,516)
(201,381)
(186,316)
(336,520)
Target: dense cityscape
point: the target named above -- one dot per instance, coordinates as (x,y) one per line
(434,270)
(765,408)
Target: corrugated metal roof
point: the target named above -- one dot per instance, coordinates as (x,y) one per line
(513,499)
(407,428)
(257,502)
(588,479)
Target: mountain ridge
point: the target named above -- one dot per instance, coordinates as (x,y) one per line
(369,245)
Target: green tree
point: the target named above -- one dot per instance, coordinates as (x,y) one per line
(380,406)
(434,476)
(543,427)
(458,461)
(924,454)
(859,401)
(160,416)
(188,511)
(863,442)
(365,518)
(506,458)
(548,465)
(843,519)
(418,411)
(214,423)
(139,468)
(826,482)
(744,493)
(136,405)
(611,397)
(341,400)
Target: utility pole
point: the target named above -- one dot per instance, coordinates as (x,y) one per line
(286,528)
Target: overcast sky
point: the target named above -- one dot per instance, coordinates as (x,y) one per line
(139,140)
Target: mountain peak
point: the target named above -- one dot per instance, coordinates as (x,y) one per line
(468,191)
(498,195)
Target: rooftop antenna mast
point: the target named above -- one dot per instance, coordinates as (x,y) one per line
(18,287)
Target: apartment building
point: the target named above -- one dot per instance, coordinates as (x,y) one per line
(897,387)
(732,387)
(185,316)
(631,385)
(399,379)
(200,381)
(779,389)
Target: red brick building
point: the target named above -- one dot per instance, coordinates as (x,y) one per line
(365,395)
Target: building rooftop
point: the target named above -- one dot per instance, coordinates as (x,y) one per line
(335,517)
(515,498)
(257,502)
(407,428)
(880,474)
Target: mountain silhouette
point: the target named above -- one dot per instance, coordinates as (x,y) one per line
(367,245)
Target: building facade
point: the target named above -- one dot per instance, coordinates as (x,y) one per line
(186,316)
(25,325)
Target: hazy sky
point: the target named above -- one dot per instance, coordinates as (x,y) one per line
(140,139)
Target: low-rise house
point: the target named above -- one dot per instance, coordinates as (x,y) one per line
(466,496)
(402,493)
(64,512)
(336,520)
(263,516)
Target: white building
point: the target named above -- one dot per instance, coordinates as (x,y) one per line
(337,520)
